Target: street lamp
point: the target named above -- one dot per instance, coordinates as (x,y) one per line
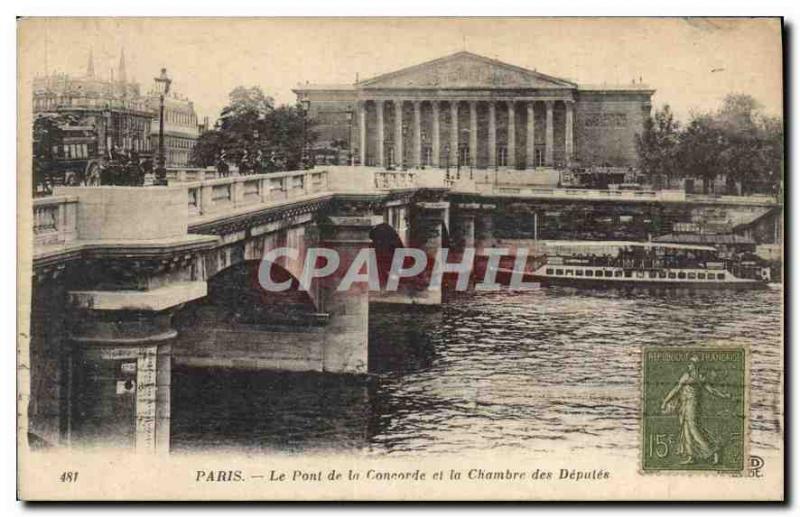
(424,156)
(305,105)
(162,87)
(470,158)
(257,156)
(388,151)
(447,153)
(349,138)
(405,132)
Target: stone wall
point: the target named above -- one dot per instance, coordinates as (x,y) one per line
(606,125)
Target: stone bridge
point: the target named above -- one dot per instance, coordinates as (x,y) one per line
(129,281)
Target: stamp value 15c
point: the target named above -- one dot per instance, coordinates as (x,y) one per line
(694,408)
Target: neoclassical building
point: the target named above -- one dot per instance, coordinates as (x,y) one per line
(472,110)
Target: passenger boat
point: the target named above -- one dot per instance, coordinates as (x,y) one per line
(646,264)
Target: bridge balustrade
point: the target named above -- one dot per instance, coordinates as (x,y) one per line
(55,220)
(190,174)
(395,179)
(230,193)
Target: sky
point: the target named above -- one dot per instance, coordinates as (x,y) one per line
(691,63)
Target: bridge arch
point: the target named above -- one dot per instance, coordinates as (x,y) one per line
(385,240)
(238,287)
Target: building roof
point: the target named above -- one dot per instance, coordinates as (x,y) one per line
(324,87)
(459,70)
(468,70)
(755,219)
(633,87)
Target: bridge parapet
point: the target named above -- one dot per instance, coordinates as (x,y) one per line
(55,220)
(219,195)
(387,180)
(184,174)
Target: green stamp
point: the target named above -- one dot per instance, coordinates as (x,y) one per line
(694,408)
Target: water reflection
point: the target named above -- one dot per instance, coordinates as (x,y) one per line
(553,368)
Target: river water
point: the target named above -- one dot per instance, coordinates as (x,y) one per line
(555,368)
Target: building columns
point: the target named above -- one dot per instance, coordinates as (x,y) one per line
(362,128)
(473,133)
(435,152)
(438,160)
(492,135)
(454,129)
(530,154)
(417,135)
(381,137)
(548,135)
(569,145)
(512,135)
(398,132)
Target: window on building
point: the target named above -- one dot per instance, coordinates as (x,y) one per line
(682,275)
(559,271)
(720,276)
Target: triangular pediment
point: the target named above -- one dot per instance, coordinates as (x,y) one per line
(465,70)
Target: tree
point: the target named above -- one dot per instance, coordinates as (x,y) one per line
(657,146)
(770,159)
(207,148)
(255,134)
(753,156)
(246,104)
(737,142)
(289,132)
(701,150)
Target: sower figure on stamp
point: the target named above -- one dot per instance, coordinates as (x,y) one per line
(694,440)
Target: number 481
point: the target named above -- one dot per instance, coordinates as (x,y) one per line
(69,477)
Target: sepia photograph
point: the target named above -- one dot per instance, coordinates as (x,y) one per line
(411,259)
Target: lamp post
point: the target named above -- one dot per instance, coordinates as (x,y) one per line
(423,136)
(162,87)
(257,155)
(305,105)
(388,151)
(350,138)
(447,163)
(405,132)
(470,158)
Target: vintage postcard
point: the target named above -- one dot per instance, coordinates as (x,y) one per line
(410,259)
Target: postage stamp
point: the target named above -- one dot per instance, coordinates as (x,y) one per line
(694,408)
